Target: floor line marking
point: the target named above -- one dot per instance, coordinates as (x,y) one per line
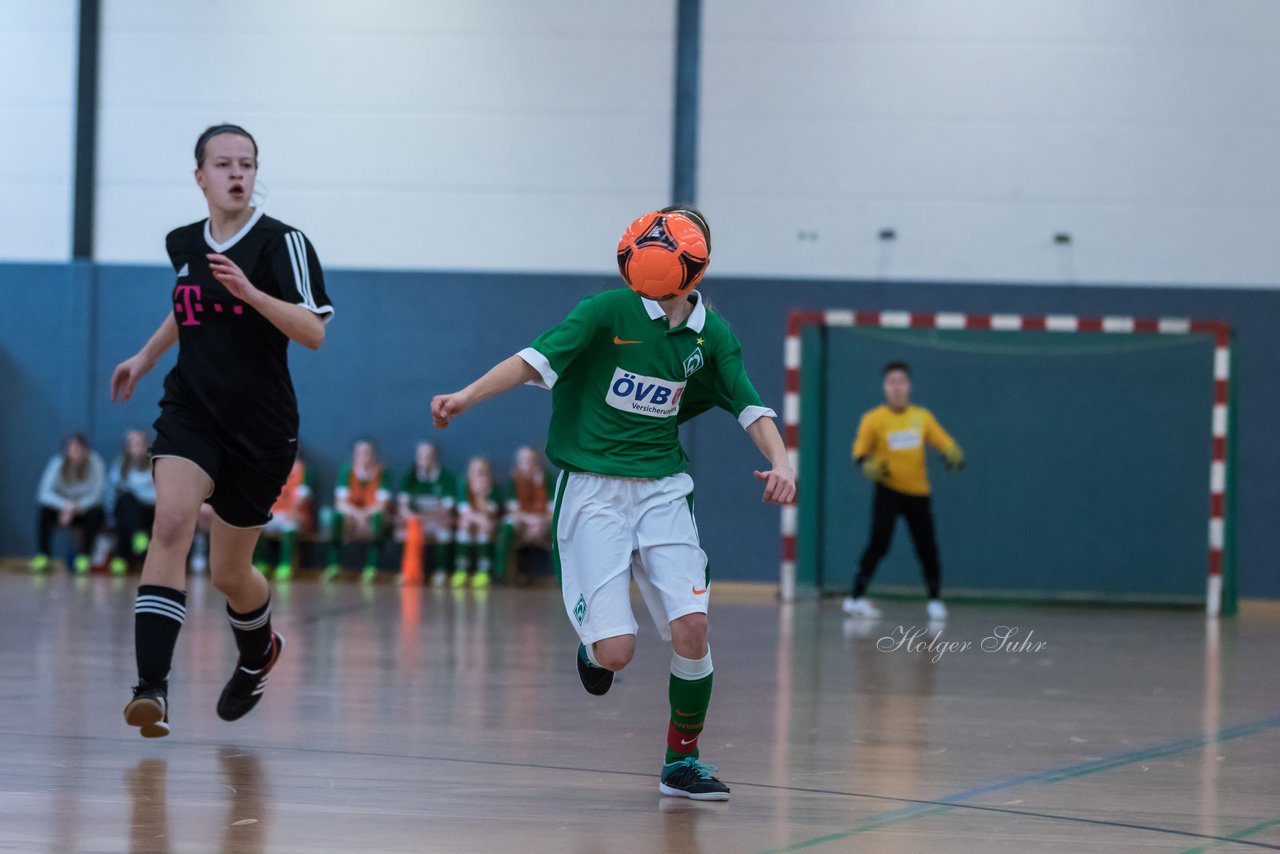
(1051,775)
(917,807)
(316,617)
(1235,837)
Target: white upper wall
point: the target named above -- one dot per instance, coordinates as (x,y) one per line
(479,135)
(438,135)
(37,128)
(1147,129)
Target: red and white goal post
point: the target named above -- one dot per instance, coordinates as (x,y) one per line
(1060,323)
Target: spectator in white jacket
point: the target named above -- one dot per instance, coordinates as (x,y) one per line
(133,501)
(70,496)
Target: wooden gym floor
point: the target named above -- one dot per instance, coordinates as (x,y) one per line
(423,720)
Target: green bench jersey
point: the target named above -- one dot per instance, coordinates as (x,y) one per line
(429,493)
(621,381)
(495,496)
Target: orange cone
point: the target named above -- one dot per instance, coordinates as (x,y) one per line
(411,561)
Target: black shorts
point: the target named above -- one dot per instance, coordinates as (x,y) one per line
(244,487)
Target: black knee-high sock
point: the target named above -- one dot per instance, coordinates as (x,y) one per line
(158,613)
(253,634)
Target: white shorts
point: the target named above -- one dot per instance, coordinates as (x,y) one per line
(436,527)
(280,525)
(610,530)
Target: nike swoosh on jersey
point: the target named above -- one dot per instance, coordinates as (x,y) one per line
(697,592)
(617,340)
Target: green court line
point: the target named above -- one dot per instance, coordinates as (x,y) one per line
(920,809)
(940,807)
(1239,834)
(901,816)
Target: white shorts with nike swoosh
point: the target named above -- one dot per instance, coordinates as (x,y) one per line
(610,530)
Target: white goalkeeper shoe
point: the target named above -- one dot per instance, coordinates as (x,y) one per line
(860,607)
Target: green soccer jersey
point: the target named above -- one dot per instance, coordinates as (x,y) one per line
(495,497)
(429,493)
(621,381)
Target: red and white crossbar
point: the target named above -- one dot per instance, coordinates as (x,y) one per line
(797,320)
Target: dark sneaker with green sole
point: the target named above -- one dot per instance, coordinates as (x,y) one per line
(690,778)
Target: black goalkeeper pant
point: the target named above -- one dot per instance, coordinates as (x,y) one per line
(887,505)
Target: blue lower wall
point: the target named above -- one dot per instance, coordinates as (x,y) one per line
(397,338)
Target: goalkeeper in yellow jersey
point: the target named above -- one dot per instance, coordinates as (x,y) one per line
(890,450)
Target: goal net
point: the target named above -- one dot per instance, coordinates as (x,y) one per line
(1096,454)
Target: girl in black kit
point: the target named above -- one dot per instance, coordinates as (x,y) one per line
(227,433)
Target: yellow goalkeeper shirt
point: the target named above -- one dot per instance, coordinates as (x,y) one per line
(898,438)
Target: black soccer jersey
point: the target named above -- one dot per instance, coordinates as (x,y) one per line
(233,366)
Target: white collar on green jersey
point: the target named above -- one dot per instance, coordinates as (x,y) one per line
(697,319)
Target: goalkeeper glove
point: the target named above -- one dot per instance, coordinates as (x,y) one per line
(875,470)
(955,458)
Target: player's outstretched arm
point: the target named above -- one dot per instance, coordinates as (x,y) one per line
(502,377)
(126,375)
(780,480)
(941,439)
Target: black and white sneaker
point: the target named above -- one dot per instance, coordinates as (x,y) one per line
(148,710)
(245,687)
(597,680)
(690,778)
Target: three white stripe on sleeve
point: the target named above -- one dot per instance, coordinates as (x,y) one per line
(301,270)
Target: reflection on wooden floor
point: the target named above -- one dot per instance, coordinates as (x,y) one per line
(423,720)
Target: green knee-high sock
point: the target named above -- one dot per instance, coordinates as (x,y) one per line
(335,539)
(261,551)
(440,552)
(288,542)
(462,556)
(690,694)
(502,549)
(484,556)
(374,555)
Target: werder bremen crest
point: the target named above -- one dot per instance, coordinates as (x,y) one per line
(693,363)
(580,609)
